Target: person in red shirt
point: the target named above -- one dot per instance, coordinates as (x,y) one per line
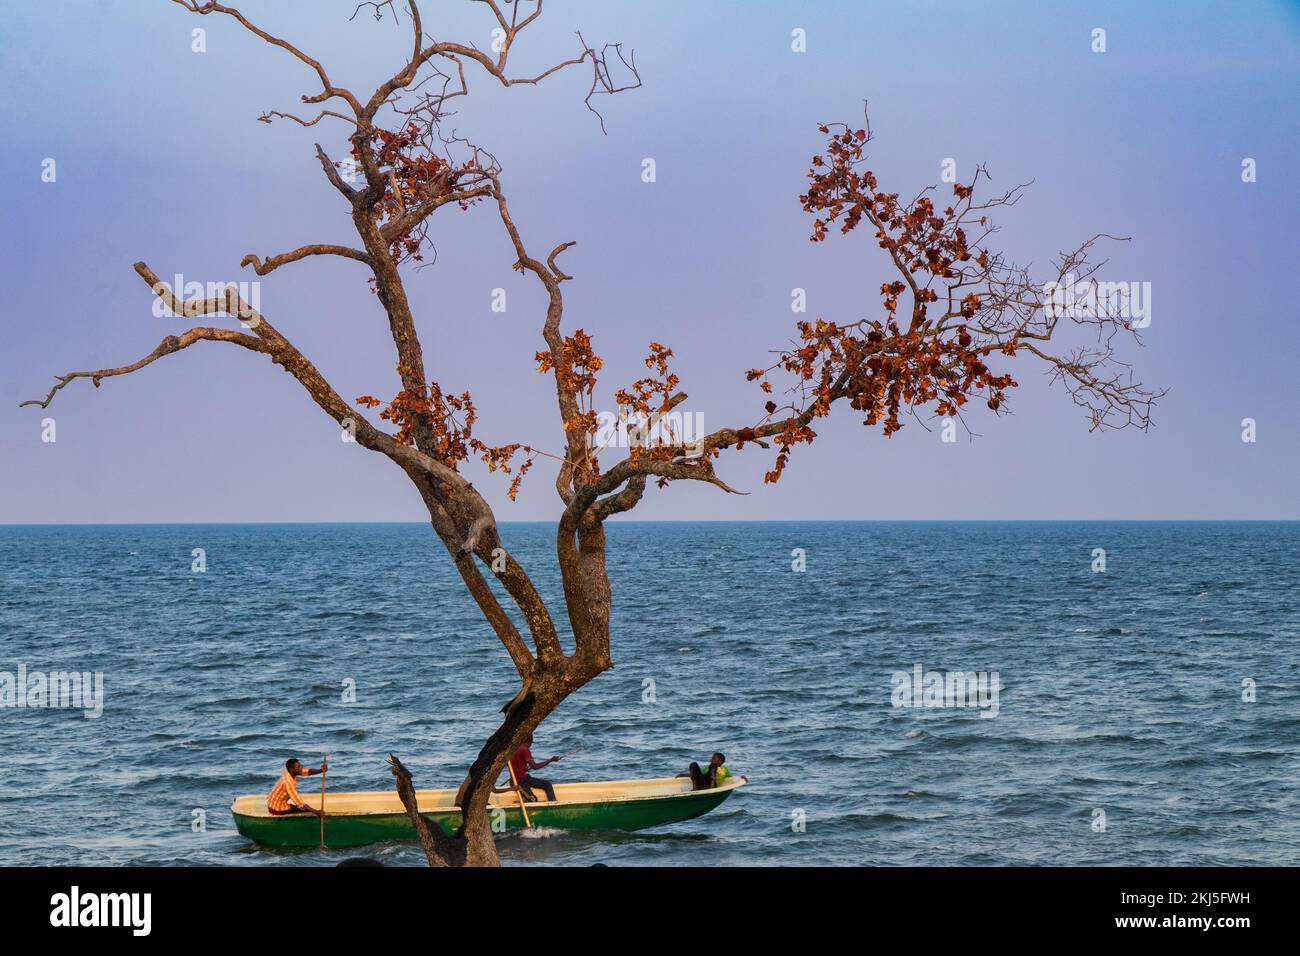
(522,763)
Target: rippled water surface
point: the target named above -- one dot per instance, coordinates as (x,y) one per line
(1121,691)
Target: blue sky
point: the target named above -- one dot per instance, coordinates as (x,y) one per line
(159,158)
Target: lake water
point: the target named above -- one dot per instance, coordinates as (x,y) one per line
(1120,700)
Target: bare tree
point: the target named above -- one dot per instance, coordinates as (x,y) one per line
(964,304)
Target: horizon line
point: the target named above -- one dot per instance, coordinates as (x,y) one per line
(549,522)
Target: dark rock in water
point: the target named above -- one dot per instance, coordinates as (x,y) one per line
(360,861)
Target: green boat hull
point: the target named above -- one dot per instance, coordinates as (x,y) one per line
(362,828)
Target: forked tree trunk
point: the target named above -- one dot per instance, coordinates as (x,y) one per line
(474,844)
(546,684)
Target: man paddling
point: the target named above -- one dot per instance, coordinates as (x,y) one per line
(284,797)
(521,763)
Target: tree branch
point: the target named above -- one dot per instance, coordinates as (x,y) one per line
(173,343)
(328,89)
(439,849)
(332,174)
(302,252)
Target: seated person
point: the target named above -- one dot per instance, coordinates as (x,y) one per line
(521,763)
(712,777)
(284,797)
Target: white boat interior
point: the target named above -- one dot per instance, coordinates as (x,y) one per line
(254,805)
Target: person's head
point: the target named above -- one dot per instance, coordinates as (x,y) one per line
(293,766)
(529,740)
(717,760)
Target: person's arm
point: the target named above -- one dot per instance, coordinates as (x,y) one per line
(538,766)
(296,801)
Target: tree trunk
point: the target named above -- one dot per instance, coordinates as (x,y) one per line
(474,844)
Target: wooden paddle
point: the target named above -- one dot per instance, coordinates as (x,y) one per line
(515,783)
(322,801)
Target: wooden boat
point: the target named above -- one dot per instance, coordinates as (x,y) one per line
(355,819)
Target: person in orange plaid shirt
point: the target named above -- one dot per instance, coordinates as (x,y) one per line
(284,796)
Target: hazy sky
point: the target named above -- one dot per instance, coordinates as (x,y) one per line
(159,158)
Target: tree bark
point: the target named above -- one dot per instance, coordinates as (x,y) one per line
(474,843)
